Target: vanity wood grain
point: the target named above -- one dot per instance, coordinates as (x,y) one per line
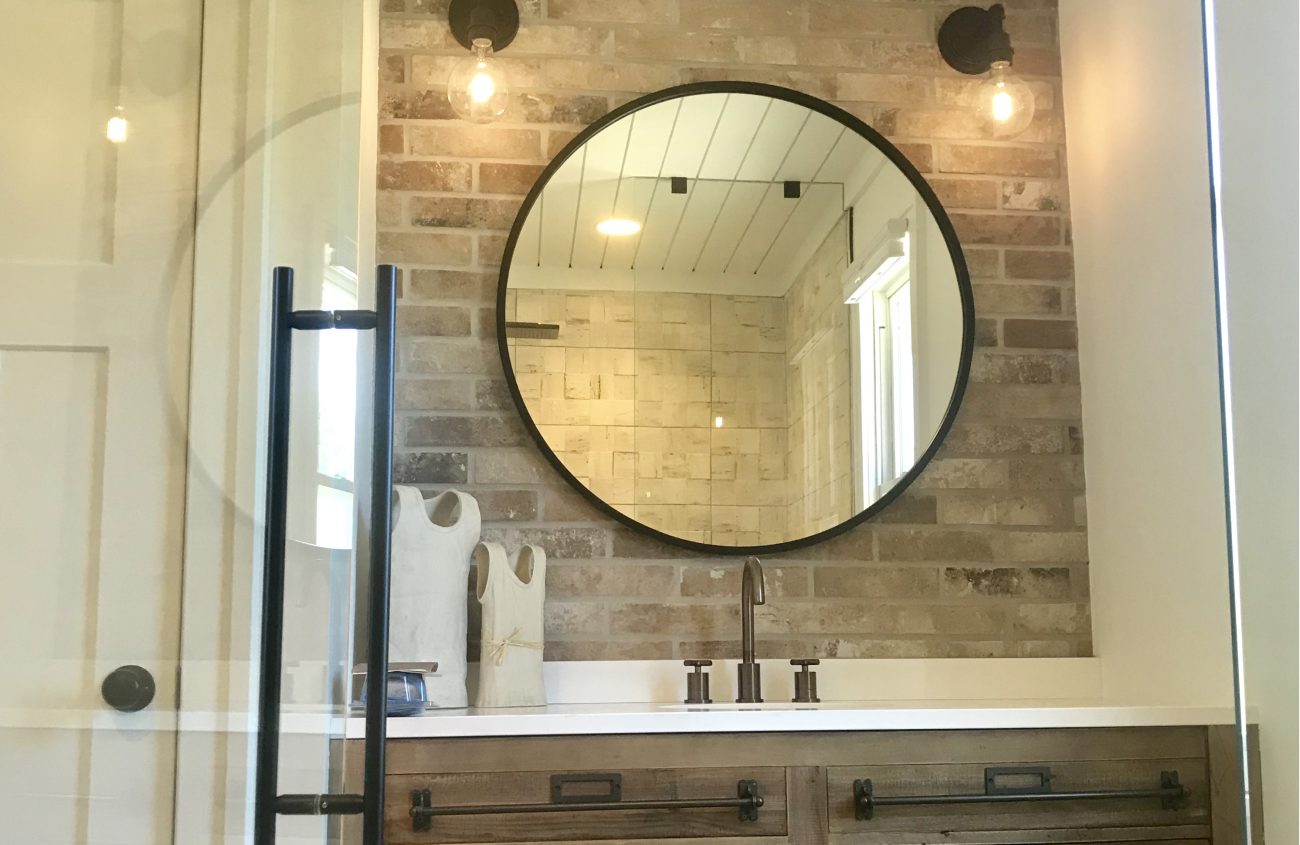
(807,780)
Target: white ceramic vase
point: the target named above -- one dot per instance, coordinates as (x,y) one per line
(513,596)
(433,541)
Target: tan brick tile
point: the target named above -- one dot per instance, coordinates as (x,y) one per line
(1005,229)
(1009,161)
(424,176)
(1053,265)
(876,582)
(423,248)
(462,212)
(618,11)
(836,17)
(462,140)
(1040,334)
(507,178)
(1017,299)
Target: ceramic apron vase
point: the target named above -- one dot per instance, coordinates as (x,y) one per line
(433,541)
(513,594)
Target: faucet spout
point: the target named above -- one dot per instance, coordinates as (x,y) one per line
(752,592)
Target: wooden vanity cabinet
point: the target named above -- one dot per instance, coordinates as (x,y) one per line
(807,782)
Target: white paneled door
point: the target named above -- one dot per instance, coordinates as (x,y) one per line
(138,225)
(99,147)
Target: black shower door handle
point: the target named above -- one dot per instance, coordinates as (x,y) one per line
(268,803)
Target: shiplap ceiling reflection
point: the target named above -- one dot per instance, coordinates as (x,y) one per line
(734,230)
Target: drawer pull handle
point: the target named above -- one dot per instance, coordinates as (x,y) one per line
(613,793)
(747,802)
(1171,792)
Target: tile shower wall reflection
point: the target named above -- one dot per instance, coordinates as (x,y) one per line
(669,406)
(820,454)
(986,555)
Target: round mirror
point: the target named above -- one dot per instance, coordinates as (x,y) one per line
(735,316)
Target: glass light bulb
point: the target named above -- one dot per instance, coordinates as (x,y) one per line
(1004,103)
(477,87)
(118,128)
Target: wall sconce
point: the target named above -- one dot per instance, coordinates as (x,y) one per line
(972,40)
(477,87)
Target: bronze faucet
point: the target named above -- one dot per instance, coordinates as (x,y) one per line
(750,685)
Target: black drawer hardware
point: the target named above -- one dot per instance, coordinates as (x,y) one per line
(747,802)
(1024,783)
(613,782)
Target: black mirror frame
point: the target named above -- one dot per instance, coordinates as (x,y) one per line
(894,155)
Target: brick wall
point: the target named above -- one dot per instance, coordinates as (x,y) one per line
(985,556)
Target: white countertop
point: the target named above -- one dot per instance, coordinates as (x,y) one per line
(860,695)
(592,719)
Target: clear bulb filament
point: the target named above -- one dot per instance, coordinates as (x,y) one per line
(1003,106)
(481,85)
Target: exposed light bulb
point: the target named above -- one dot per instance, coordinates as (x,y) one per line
(118,128)
(481,87)
(477,87)
(717,422)
(1005,104)
(618,227)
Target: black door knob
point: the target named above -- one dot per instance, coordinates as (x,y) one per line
(128,688)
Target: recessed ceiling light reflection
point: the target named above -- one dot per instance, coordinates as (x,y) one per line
(618,227)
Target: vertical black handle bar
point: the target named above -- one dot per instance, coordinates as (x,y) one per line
(283,321)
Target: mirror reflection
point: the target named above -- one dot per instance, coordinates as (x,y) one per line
(733,319)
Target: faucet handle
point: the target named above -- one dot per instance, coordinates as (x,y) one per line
(805,681)
(697,682)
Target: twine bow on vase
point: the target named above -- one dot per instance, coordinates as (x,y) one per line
(497,648)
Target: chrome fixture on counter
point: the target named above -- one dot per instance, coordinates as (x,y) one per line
(750,684)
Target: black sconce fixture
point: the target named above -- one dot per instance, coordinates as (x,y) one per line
(974,41)
(477,87)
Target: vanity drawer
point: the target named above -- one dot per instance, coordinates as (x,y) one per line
(1112,819)
(503,788)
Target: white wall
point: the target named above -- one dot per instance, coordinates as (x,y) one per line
(1258,102)
(1139,185)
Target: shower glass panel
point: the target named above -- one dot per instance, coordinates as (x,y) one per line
(161,156)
